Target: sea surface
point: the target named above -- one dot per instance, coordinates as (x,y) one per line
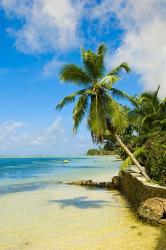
(38,212)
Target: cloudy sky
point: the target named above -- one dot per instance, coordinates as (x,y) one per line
(38,36)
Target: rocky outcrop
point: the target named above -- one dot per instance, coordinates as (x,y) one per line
(153,209)
(90,183)
(148,199)
(116,182)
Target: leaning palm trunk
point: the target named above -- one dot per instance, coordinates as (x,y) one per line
(134,160)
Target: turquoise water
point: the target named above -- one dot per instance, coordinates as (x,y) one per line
(39,172)
(39,213)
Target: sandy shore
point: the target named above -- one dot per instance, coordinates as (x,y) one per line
(67,217)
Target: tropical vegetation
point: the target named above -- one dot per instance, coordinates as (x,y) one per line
(146,135)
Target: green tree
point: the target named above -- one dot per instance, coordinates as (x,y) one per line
(96,98)
(147,140)
(150,112)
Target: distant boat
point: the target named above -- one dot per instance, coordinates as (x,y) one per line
(65,161)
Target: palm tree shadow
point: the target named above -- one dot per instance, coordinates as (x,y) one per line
(80,202)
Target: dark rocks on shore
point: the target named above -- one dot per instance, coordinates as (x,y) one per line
(90,183)
(116,182)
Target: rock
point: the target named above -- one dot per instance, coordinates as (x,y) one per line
(90,183)
(116,182)
(162,221)
(153,209)
(109,184)
(78,183)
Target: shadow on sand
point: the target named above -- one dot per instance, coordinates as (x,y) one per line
(81,202)
(84,203)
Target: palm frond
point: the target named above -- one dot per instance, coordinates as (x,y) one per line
(89,63)
(100,63)
(150,98)
(79,111)
(127,162)
(117,117)
(149,118)
(101,49)
(107,82)
(94,63)
(72,73)
(157,90)
(117,70)
(122,95)
(69,99)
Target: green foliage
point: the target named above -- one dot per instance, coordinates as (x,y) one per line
(117,70)
(73,73)
(69,99)
(80,110)
(127,162)
(110,142)
(147,121)
(94,151)
(155,156)
(145,135)
(96,102)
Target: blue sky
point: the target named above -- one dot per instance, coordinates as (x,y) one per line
(37,37)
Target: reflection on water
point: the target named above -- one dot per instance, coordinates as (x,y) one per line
(25,187)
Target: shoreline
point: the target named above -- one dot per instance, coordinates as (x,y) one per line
(147,200)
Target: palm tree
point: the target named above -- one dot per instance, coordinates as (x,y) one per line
(150,111)
(96,98)
(148,121)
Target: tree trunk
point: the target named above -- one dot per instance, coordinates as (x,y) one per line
(134,160)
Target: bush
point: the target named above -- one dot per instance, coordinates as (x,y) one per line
(155,157)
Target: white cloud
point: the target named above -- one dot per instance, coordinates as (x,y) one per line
(50,25)
(9,129)
(49,135)
(144,41)
(46,25)
(15,138)
(52,67)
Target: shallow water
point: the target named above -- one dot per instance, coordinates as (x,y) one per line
(37,213)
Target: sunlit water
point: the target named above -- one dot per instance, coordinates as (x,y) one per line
(38,213)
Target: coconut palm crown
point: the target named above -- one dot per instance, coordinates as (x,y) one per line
(96,98)
(150,111)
